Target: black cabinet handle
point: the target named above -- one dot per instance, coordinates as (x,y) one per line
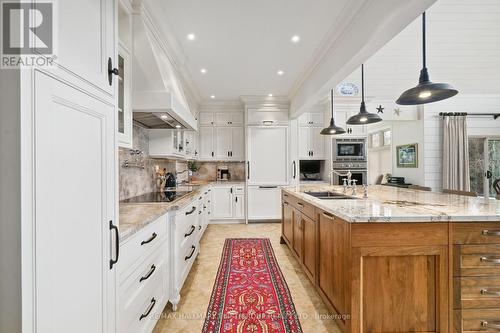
(153,236)
(231,190)
(190,232)
(114,228)
(148,311)
(268,186)
(191,254)
(212,154)
(294,169)
(151,271)
(248,169)
(191,211)
(111,71)
(236,199)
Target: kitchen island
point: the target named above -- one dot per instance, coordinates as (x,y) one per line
(400,260)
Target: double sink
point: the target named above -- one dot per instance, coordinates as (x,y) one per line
(328,195)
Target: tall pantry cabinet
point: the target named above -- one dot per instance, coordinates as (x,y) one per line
(69,228)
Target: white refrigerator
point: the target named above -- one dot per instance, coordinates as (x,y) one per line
(267,170)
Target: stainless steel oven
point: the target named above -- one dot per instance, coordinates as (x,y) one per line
(349,149)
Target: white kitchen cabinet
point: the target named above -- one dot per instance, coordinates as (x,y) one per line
(166,143)
(86,42)
(124,104)
(190,148)
(311,143)
(222,201)
(206,118)
(223,137)
(264,203)
(239,206)
(74,239)
(267,155)
(238,143)
(267,116)
(223,118)
(206,142)
(316,119)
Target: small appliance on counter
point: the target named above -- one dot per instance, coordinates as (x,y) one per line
(223,173)
(170,181)
(396,182)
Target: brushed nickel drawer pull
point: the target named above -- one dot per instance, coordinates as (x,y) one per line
(148,311)
(492,260)
(489,292)
(328,215)
(487,232)
(494,325)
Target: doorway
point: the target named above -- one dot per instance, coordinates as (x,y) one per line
(484,163)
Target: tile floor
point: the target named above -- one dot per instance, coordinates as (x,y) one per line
(196,292)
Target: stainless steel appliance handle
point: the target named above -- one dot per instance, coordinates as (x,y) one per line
(268,186)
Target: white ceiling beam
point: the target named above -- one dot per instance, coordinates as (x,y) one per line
(376,23)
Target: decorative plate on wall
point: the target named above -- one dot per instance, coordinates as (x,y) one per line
(347,89)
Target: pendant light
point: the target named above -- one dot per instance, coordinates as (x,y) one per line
(332,129)
(363,117)
(426,91)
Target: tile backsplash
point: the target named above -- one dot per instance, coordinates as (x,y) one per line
(136,181)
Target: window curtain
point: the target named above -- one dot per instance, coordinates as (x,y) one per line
(455,154)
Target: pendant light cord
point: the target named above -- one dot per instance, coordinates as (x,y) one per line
(423,40)
(363,82)
(331,101)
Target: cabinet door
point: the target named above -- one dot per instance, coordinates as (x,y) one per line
(287,220)
(223,137)
(317,119)
(72,241)
(237,118)
(206,118)
(206,145)
(239,206)
(264,203)
(86,40)
(223,118)
(222,202)
(333,235)
(317,143)
(124,105)
(238,144)
(265,144)
(309,251)
(303,142)
(304,119)
(297,233)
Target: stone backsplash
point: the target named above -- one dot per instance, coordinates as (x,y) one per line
(136,181)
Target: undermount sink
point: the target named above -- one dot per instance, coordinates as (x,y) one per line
(327,195)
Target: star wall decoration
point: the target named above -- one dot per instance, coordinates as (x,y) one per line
(397,111)
(380,109)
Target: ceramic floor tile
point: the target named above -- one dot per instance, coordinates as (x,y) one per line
(195,294)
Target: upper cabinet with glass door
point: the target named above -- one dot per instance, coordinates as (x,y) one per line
(124,105)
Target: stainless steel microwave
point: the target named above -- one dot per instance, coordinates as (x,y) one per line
(349,149)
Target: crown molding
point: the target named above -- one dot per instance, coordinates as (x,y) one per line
(221,105)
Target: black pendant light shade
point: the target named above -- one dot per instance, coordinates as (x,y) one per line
(426,91)
(332,129)
(363,117)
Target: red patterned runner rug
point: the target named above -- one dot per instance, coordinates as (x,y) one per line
(250,294)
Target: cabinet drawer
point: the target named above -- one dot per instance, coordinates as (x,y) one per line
(142,243)
(148,311)
(476,233)
(477,292)
(476,260)
(306,209)
(477,320)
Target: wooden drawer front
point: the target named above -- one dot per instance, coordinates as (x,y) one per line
(141,244)
(306,209)
(476,260)
(477,292)
(477,320)
(476,233)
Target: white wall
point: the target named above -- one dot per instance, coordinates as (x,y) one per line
(477,126)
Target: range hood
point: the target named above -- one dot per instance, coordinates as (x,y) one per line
(158,99)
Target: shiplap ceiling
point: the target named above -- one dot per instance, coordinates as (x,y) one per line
(243,44)
(463,49)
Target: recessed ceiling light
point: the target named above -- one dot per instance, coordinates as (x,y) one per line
(203,71)
(295,39)
(191,37)
(280,72)
(164,116)
(177,126)
(212,96)
(270,95)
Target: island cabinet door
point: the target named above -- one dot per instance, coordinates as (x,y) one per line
(287,227)
(310,244)
(333,238)
(297,233)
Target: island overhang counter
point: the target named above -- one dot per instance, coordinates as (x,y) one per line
(400,260)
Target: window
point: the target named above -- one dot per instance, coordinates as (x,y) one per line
(484,164)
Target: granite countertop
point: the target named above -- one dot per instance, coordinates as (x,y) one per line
(135,216)
(391,204)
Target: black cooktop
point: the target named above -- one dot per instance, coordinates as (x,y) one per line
(167,196)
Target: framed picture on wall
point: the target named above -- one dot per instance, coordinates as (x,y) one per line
(407,156)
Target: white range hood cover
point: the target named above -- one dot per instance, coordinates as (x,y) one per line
(156,87)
